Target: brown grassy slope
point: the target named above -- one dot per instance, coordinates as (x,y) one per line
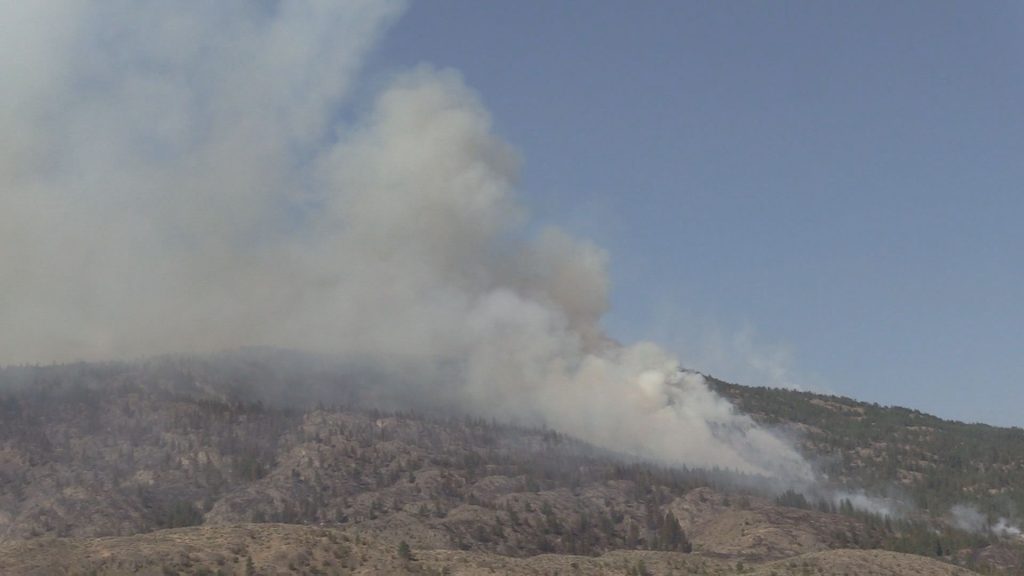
(860,563)
(756,529)
(272,549)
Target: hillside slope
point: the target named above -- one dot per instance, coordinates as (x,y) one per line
(180,466)
(936,463)
(272,549)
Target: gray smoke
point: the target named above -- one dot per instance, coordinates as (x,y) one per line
(969,518)
(182,177)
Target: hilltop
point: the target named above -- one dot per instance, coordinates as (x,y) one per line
(186,465)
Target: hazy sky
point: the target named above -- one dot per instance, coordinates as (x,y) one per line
(821,194)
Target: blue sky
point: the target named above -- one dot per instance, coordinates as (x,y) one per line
(815,193)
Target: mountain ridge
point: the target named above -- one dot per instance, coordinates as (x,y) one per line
(94,451)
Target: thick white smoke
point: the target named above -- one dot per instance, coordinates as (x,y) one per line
(176,178)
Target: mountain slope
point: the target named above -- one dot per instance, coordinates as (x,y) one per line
(271,549)
(936,463)
(172,465)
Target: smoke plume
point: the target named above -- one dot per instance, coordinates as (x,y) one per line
(969,518)
(194,176)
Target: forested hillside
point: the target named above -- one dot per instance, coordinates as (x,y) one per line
(243,465)
(935,463)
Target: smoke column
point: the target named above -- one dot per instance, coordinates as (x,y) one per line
(181,177)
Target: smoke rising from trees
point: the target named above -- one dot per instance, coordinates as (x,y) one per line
(195,177)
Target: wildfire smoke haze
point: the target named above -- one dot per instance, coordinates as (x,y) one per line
(178,179)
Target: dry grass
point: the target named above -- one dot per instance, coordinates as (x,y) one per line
(271,549)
